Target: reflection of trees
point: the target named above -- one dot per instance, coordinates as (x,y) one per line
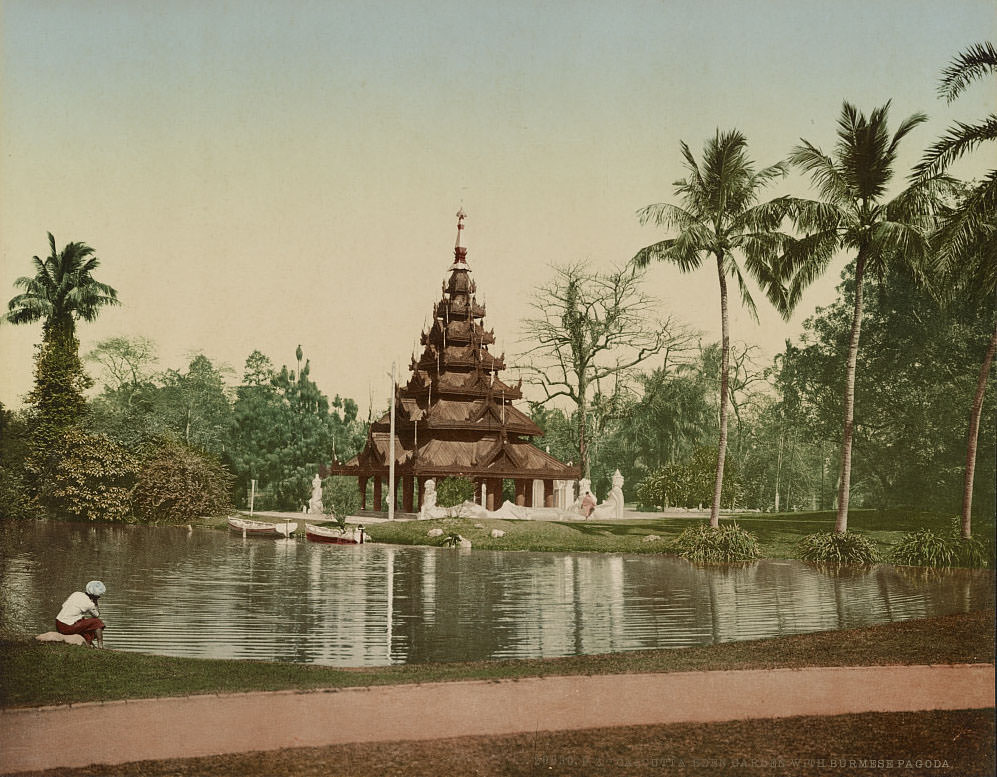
(211,593)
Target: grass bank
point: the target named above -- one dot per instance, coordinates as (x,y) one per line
(36,674)
(777,533)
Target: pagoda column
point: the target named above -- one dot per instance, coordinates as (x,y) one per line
(421,491)
(548,493)
(520,492)
(407,493)
(362,485)
(494,486)
(377,493)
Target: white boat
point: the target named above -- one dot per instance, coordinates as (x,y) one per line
(262,529)
(335,535)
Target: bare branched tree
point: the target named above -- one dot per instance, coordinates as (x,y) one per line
(591,329)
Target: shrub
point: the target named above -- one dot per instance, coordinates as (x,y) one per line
(727,543)
(177,484)
(340,498)
(91,480)
(451,492)
(830,547)
(928,548)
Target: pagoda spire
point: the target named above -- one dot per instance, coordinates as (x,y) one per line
(459,251)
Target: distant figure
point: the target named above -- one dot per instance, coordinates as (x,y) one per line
(588,504)
(79,614)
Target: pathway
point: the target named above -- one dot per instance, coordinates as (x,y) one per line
(186,727)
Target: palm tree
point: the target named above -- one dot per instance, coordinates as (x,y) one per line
(720,217)
(853,215)
(61,291)
(965,241)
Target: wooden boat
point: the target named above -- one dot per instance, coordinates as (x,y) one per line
(260,529)
(335,535)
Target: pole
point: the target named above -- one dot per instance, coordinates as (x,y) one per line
(391,451)
(252,495)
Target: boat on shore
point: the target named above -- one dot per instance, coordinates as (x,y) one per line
(260,528)
(336,536)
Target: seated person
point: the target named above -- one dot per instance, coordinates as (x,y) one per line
(588,504)
(79,614)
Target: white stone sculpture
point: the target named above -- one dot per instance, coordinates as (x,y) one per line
(315,503)
(429,508)
(612,507)
(497,533)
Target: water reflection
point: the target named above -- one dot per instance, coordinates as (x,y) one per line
(216,594)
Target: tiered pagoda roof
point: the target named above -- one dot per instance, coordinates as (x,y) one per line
(455,415)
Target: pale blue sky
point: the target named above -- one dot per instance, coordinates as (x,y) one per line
(261,175)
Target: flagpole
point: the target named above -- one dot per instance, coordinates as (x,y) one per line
(391,451)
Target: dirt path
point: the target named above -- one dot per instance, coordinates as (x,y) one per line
(119,732)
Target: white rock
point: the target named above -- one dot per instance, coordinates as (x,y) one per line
(479,526)
(55,636)
(465,543)
(651,538)
(434,533)
(496,533)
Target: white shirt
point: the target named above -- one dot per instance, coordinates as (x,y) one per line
(77,606)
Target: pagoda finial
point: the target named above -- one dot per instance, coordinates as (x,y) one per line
(461,215)
(460,251)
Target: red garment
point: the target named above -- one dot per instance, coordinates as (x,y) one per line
(85,626)
(588,504)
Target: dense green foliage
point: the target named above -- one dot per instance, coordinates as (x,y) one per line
(934,548)
(178,484)
(831,547)
(283,429)
(689,483)
(340,497)
(451,492)
(726,543)
(92,479)
(915,379)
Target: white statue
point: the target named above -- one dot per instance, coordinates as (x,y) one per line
(612,507)
(315,503)
(428,508)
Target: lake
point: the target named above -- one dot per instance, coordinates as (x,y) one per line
(210,593)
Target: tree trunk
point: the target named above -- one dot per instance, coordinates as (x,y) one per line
(778,471)
(724,377)
(974,431)
(583,457)
(845,478)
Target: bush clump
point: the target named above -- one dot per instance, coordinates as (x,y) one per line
(340,498)
(92,479)
(704,544)
(929,548)
(177,484)
(830,547)
(451,492)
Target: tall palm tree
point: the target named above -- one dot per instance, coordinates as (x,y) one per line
(720,217)
(853,214)
(965,241)
(61,291)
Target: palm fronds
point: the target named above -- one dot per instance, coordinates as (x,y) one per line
(973,63)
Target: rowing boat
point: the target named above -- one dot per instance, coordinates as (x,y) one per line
(335,535)
(261,529)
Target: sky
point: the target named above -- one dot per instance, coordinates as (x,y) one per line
(262,175)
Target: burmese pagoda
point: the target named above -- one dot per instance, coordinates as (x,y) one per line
(455,415)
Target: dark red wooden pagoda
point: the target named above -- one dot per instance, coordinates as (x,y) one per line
(455,415)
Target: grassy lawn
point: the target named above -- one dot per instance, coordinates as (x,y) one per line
(36,674)
(778,533)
